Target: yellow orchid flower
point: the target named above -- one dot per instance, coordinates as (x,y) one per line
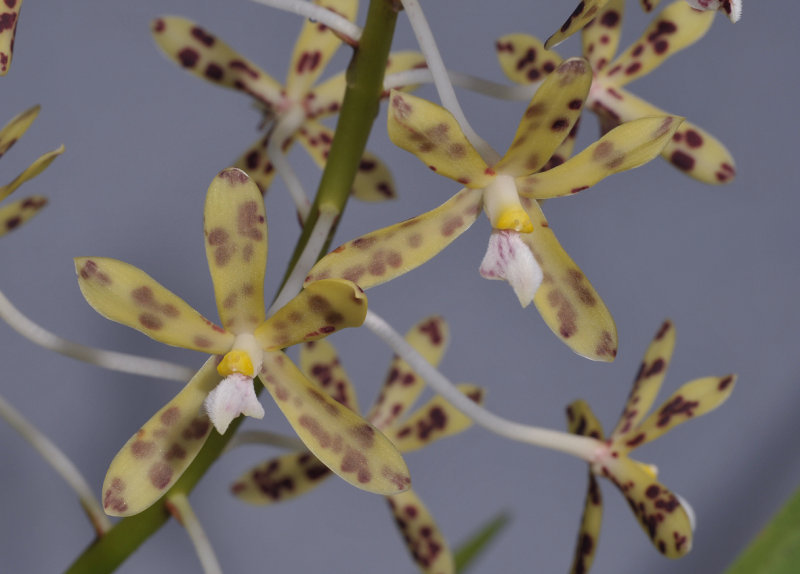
(246,346)
(291,475)
(665,517)
(9,16)
(694,151)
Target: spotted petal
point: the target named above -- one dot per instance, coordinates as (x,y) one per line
(422,536)
(677,27)
(589,532)
(314,48)
(580,17)
(341,439)
(548,119)
(235,227)
(127,295)
(524,58)
(203,54)
(581,420)
(566,300)
(281,478)
(402,386)
(255,162)
(387,253)
(30,172)
(600,37)
(18,212)
(158,454)
(8,28)
(320,309)
(433,135)
(625,147)
(17,126)
(319,361)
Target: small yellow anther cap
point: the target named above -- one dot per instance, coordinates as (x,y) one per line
(514,218)
(650,469)
(236,362)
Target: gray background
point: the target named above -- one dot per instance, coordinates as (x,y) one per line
(143,142)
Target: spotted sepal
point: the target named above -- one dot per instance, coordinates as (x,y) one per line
(690,401)
(647,383)
(548,119)
(281,478)
(387,253)
(127,295)
(373,180)
(581,420)
(422,536)
(255,162)
(9,15)
(524,59)
(342,440)
(319,361)
(564,150)
(18,212)
(321,308)
(433,135)
(600,37)
(580,17)
(402,386)
(625,147)
(314,48)
(566,300)
(434,420)
(16,127)
(677,27)
(201,53)
(156,456)
(37,167)
(235,228)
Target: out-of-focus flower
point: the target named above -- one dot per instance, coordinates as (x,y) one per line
(664,516)
(522,249)
(9,14)
(694,151)
(291,475)
(236,247)
(18,212)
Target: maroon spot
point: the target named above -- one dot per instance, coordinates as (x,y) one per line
(150,321)
(657,366)
(560,125)
(188,57)
(233,175)
(158,25)
(682,160)
(113,498)
(160,475)
(652,491)
(196,429)
(661,46)
(7,21)
(214,72)
(663,330)
(355,461)
(451,225)
(610,19)
(176,451)
(633,68)
(675,407)
(202,36)
(170,416)
(432,329)
(725,383)
(142,449)
(693,139)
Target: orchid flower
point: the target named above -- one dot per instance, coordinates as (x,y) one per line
(296,473)
(692,150)
(522,248)
(249,345)
(665,517)
(296,107)
(9,14)
(15,214)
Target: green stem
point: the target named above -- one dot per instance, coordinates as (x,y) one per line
(359,109)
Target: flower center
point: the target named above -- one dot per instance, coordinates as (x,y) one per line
(243,358)
(502,205)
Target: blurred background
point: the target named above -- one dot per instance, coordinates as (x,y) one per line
(144,139)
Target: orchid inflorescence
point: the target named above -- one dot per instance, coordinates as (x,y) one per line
(247,351)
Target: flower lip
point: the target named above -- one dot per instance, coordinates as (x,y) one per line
(244,357)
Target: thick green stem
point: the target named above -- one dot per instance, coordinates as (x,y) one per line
(359,109)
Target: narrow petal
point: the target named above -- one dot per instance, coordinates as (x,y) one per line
(589,533)
(566,300)
(281,478)
(580,17)
(321,308)
(548,119)
(732,8)
(402,386)
(433,135)
(18,212)
(346,443)
(564,150)
(232,397)
(677,27)
(508,258)
(314,48)
(127,295)
(8,28)
(690,401)
(434,420)
(158,454)
(319,361)
(387,253)
(647,382)
(201,53)
(30,172)
(581,420)
(422,536)
(524,59)
(625,147)
(235,227)
(373,180)
(600,37)
(17,126)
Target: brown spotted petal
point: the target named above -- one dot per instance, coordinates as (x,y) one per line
(156,456)
(625,147)
(18,212)
(281,478)
(548,119)
(600,37)
(319,361)
(203,54)
(580,17)
(9,13)
(402,386)
(423,538)
(17,126)
(37,167)
(589,533)
(433,135)
(524,59)
(566,300)
(677,27)
(127,295)
(387,253)
(235,228)
(581,420)
(346,443)
(255,162)
(320,309)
